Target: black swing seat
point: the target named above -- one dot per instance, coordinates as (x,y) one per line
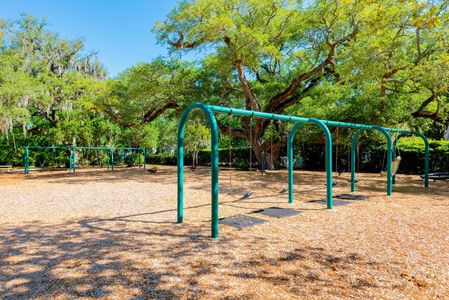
(437,176)
(246,196)
(283,191)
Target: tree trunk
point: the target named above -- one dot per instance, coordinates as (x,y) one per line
(266,155)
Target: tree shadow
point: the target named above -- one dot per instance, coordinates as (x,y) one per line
(81,260)
(141,256)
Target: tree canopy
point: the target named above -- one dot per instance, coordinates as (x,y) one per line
(373,62)
(376,62)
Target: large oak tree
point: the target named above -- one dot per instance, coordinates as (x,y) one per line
(279,52)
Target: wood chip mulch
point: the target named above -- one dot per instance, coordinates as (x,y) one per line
(96,234)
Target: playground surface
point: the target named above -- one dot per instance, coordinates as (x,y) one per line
(95,234)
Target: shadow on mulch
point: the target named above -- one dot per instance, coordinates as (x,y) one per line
(36,260)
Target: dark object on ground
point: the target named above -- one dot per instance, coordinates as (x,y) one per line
(283,191)
(246,196)
(152,170)
(351,197)
(341,169)
(241,221)
(278,212)
(438,176)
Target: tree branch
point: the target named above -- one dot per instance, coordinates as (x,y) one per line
(229,130)
(250,98)
(276,102)
(153,114)
(298,96)
(421,113)
(181,44)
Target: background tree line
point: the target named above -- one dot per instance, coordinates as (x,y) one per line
(377,62)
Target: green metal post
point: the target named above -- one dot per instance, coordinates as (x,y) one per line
(426,160)
(389,170)
(26,163)
(291,138)
(112,159)
(71,159)
(214,164)
(394,155)
(144,159)
(353,162)
(107,159)
(328,159)
(389,160)
(74,159)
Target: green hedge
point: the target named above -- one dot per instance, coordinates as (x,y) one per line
(161,159)
(61,157)
(371,157)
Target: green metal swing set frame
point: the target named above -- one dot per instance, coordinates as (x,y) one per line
(73,158)
(324,125)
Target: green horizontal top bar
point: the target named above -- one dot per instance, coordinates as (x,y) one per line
(93,148)
(257,114)
(48,147)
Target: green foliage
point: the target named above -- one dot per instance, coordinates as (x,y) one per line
(197,137)
(383,63)
(52,92)
(358,61)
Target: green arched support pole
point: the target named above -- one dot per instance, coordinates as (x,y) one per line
(72,159)
(328,159)
(214,163)
(355,138)
(426,152)
(111,155)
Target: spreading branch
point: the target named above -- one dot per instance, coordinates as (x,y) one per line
(186,45)
(278,102)
(249,95)
(153,114)
(422,113)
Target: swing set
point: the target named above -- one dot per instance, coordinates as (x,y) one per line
(71,154)
(210,110)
